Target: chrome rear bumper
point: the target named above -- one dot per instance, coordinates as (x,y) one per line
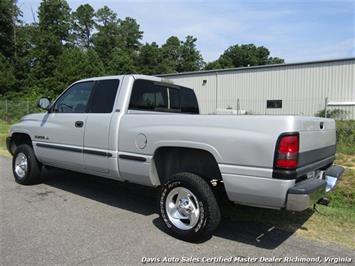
(307,192)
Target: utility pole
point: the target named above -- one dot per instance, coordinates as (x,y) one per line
(325,107)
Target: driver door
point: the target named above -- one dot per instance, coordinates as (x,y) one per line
(62,129)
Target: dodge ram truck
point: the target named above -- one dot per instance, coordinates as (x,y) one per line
(148,130)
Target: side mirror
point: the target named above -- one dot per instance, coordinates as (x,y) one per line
(44,103)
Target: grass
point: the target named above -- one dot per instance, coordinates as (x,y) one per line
(346,149)
(334,223)
(4,128)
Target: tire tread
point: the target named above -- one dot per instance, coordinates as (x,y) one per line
(213,211)
(33,175)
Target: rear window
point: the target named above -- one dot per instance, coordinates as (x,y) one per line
(103,96)
(160,97)
(188,101)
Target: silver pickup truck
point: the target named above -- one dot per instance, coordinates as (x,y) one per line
(148,130)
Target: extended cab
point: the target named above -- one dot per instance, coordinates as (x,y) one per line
(148,130)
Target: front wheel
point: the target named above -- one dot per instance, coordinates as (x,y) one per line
(188,207)
(25,166)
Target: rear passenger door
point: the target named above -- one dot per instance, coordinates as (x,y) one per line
(101,126)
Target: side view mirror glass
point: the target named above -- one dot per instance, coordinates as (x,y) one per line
(44,103)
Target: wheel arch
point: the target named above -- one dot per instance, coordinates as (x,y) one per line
(170,160)
(17,139)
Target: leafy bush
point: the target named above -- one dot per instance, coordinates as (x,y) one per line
(346,136)
(333,113)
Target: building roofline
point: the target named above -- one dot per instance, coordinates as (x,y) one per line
(256,67)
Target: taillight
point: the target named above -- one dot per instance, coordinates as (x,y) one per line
(287,151)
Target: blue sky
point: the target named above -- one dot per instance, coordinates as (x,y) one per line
(294,30)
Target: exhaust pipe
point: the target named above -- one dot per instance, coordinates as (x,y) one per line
(323,201)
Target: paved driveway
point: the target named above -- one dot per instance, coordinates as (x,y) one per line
(79,219)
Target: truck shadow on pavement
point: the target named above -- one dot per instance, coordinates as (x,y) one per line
(261,228)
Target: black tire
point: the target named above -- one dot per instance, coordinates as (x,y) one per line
(210,215)
(33,173)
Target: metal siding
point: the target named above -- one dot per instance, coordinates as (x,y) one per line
(302,88)
(206,94)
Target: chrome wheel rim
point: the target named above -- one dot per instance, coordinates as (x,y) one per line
(182,208)
(21,165)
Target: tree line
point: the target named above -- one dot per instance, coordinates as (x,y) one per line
(64,45)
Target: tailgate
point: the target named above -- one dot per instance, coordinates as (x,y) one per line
(317,140)
(317,148)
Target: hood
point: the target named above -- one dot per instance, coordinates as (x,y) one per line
(34,117)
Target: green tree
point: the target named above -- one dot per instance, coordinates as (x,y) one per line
(23,63)
(75,64)
(9,14)
(44,57)
(106,37)
(181,56)
(244,55)
(129,34)
(7,76)
(171,52)
(191,58)
(52,34)
(275,60)
(114,38)
(83,25)
(54,18)
(151,60)
(120,62)
(105,16)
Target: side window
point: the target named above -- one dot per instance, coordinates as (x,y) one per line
(188,101)
(152,96)
(75,99)
(174,98)
(103,96)
(148,96)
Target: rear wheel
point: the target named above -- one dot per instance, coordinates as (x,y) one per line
(188,207)
(25,166)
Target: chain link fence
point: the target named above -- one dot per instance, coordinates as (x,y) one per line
(13,110)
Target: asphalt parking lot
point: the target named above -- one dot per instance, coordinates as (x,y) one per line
(78,219)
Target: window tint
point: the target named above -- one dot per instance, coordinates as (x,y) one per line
(147,96)
(154,96)
(174,96)
(188,101)
(75,99)
(103,96)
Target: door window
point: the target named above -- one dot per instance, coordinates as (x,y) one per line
(75,99)
(103,96)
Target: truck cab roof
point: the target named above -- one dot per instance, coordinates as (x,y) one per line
(135,76)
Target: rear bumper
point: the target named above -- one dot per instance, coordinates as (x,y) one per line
(306,193)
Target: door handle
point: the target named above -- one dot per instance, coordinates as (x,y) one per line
(79,123)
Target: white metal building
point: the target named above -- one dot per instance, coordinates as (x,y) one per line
(296,88)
